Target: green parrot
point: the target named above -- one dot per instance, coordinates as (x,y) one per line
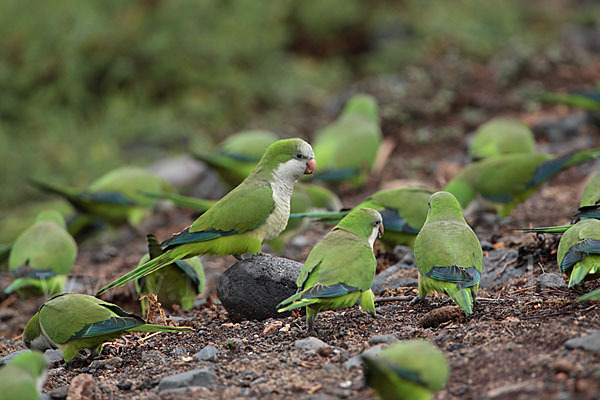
(178,283)
(501,136)
(238,155)
(447,253)
(509,180)
(591,296)
(340,269)
(578,253)
(116,197)
(346,149)
(74,322)
(408,370)
(257,210)
(24,377)
(41,257)
(403,210)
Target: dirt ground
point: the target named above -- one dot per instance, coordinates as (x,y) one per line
(513,347)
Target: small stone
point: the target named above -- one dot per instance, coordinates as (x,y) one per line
(549,280)
(153,355)
(200,377)
(113,361)
(345,384)
(591,342)
(272,328)
(53,355)
(252,288)
(408,259)
(310,343)
(124,384)
(325,351)
(234,344)
(487,246)
(59,393)
(382,339)
(208,353)
(356,361)
(179,351)
(83,387)
(562,365)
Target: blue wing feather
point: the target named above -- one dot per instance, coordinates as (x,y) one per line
(463,277)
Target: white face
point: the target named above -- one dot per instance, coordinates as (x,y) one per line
(293,169)
(374,234)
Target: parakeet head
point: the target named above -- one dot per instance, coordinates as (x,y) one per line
(51,216)
(33,337)
(288,159)
(32,362)
(444,206)
(364,222)
(362,104)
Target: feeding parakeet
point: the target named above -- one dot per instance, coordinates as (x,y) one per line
(578,253)
(24,377)
(41,257)
(74,322)
(238,155)
(408,370)
(346,149)
(509,180)
(178,283)
(116,197)
(447,253)
(257,210)
(403,210)
(339,270)
(501,136)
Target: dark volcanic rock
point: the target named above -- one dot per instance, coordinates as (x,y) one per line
(549,280)
(199,377)
(252,288)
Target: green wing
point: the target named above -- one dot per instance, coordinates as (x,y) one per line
(70,316)
(591,193)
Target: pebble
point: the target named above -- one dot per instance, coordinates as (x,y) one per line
(591,342)
(310,343)
(179,351)
(153,355)
(382,339)
(59,393)
(53,355)
(208,353)
(200,377)
(83,387)
(549,280)
(356,361)
(124,384)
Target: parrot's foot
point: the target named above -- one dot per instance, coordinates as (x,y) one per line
(238,257)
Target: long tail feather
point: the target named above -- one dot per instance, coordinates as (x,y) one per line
(553,230)
(159,328)
(52,188)
(192,203)
(324,215)
(147,268)
(462,297)
(579,273)
(296,304)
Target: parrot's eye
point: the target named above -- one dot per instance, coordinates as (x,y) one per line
(299,156)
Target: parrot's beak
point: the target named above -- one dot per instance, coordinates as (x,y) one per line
(380,230)
(311,167)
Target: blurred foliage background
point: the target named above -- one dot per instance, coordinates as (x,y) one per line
(89,86)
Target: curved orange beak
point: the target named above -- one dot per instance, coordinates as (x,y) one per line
(380,230)
(311,167)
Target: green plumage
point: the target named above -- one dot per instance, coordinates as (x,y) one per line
(591,296)
(23,377)
(244,218)
(447,253)
(238,155)
(509,180)
(178,283)
(408,370)
(116,197)
(346,149)
(74,322)
(339,270)
(501,136)
(42,257)
(578,253)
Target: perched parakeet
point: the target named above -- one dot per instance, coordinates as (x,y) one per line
(340,269)
(408,370)
(346,149)
(238,155)
(579,251)
(178,283)
(447,253)
(24,377)
(501,136)
(116,197)
(257,210)
(509,180)
(41,257)
(74,322)
(403,210)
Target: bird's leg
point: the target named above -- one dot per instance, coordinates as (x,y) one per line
(311,315)
(238,257)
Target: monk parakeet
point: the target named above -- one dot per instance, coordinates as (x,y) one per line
(579,251)
(41,257)
(257,210)
(447,253)
(238,155)
(346,149)
(74,322)
(116,197)
(178,283)
(501,136)
(509,180)
(24,377)
(403,210)
(339,270)
(408,370)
